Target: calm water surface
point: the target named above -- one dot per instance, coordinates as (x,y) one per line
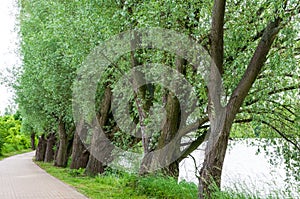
(243,169)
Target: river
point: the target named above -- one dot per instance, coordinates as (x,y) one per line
(245,170)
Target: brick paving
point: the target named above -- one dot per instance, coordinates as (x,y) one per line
(20,178)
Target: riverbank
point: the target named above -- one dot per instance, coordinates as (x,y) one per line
(124,185)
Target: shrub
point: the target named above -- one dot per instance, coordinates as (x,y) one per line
(11,138)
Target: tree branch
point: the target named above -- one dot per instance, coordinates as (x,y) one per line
(294,87)
(254,67)
(241,121)
(193,146)
(281,134)
(192,127)
(217,34)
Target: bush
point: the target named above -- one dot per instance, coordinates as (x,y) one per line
(11,138)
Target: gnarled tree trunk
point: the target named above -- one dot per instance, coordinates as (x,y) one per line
(101,147)
(32,141)
(61,159)
(49,156)
(41,149)
(80,154)
(169,131)
(221,119)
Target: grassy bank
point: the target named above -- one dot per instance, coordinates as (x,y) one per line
(123,185)
(12,153)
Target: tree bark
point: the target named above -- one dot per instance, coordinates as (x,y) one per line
(221,121)
(170,128)
(80,154)
(101,147)
(61,159)
(32,141)
(49,156)
(41,149)
(169,131)
(100,154)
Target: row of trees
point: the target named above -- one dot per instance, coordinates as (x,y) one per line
(255,50)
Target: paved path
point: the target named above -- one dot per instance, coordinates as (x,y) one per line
(20,178)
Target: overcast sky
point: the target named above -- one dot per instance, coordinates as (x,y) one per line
(8,46)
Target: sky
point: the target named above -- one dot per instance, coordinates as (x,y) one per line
(8,47)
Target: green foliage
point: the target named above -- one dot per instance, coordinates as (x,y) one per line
(11,137)
(58,35)
(12,153)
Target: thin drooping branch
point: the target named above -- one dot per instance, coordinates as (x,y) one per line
(271,74)
(281,134)
(242,121)
(276,91)
(284,136)
(276,114)
(195,165)
(284,89)
(283,106)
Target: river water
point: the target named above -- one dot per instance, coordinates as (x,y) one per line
(244,170)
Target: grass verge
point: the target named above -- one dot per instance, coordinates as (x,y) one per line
(122,185)
(116,184)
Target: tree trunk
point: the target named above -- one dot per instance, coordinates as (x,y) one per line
(49,156)
(172,124)
(32,141)
(210,173)
(62,153)
(80,154)
(70,142)
(101,147)
(100,154)
(41,149)
(169,131)
(221,119)
(94,166)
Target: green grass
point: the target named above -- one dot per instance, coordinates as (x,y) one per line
(116,184)
(106,186)
(122,185)
(6,155)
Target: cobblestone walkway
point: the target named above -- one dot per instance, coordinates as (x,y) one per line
(20,178)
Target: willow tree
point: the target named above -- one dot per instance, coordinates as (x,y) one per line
(262,38)
(49,63)
(56,37)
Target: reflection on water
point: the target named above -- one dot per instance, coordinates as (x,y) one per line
(243,169)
